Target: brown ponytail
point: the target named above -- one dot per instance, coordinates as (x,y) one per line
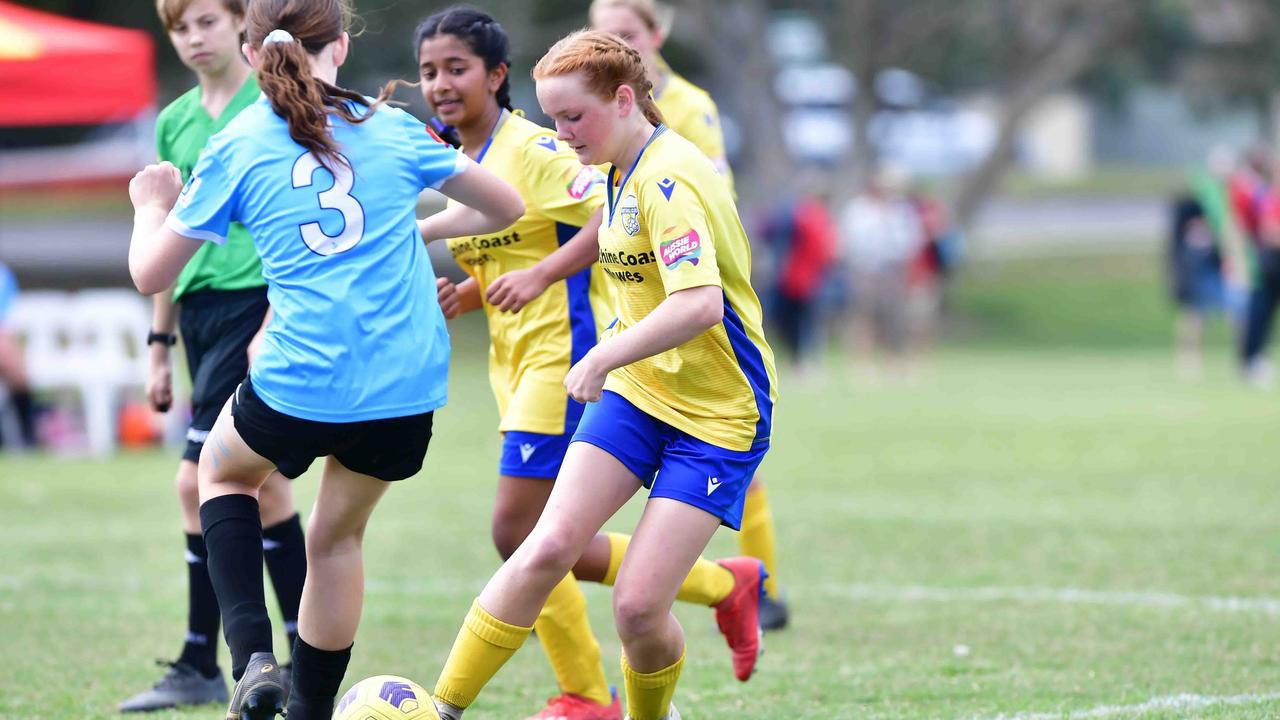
(606,62)
(284,70)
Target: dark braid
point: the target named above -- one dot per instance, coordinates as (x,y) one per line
(480,32)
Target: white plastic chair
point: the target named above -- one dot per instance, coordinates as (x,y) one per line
(92,342)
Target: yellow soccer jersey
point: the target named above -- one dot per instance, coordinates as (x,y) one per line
(531,351)
(690,111)
(672,225)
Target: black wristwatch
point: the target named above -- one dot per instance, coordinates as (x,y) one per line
(166,338)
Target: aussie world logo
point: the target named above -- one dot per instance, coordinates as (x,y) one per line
(582,182)
(687,247)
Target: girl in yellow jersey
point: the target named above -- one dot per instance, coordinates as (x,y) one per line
(681,389)
(691,112)
(687,108)
(542,304)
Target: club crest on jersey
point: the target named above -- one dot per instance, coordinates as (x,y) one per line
(629,213)
(583,181)
(189,191)
(548,142)
(687,247)
(666,185)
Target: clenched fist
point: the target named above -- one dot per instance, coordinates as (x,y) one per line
(156,186)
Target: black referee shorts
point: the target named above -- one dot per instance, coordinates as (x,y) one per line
(216,327)
(389,449)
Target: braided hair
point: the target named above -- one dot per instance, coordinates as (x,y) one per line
(606,63)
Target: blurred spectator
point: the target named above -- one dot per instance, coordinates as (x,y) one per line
(881,234)
(1207,260)
(803,239)
(15,390)
(1257,204)
(1266,289)
(927,274)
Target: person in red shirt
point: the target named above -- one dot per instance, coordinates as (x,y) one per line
(804,238)
(1265,294)
(927,272)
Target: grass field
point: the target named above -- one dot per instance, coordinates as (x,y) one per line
(1102,539)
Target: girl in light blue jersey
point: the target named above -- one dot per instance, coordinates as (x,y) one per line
(354,361)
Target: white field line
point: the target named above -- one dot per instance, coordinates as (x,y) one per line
(1066,596)
(1177,703)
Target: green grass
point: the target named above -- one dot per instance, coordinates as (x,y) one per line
(1111,302)
(1011,473)
(1107,181)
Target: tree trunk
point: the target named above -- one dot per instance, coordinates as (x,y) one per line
(739,60)
(1072,51)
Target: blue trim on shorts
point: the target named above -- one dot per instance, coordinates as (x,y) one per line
(582,322)
(752,364)
(533,455)
(671,463)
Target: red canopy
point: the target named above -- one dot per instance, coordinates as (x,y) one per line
(58,71)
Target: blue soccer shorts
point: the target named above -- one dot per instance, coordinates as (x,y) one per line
(671,463)
(533,455)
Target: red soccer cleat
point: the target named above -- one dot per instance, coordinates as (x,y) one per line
(576,707)
(738,615)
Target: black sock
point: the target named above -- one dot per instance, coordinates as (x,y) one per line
(201,648)
(285,549)
(25,407)
(233,535)
(317,678)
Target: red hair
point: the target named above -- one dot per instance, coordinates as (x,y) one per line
(606,62)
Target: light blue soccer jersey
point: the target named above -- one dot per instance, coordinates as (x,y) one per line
(357,332)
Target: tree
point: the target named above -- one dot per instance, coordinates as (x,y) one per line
(1050,43)
(1023,49)
(1234,58)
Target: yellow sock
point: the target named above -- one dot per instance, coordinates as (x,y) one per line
(757,537)
(649,694)
(707,583)
(566,636)
(483,646)
(618,544)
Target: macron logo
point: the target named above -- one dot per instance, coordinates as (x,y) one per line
(712,484)
(526,450)
(667,185)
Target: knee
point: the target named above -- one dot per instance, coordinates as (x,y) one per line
(509,528)
(188,487)
(636,615)
(505,537)
(328,539)
(552,551)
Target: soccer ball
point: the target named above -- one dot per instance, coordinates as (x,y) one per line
(386,697)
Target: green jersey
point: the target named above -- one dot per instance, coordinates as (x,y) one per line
(182,131)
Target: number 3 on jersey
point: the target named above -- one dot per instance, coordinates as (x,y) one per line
(336,198)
